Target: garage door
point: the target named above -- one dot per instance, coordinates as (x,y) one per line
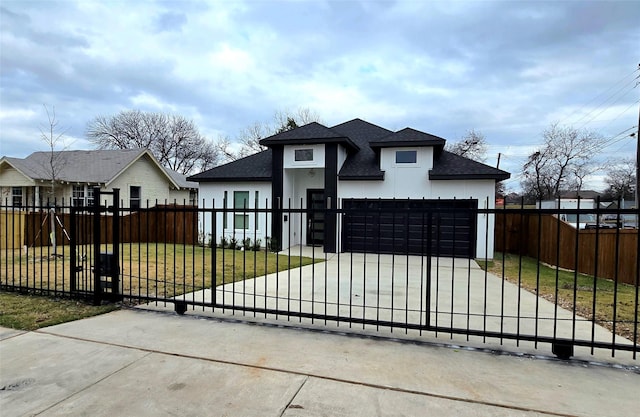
(414,227)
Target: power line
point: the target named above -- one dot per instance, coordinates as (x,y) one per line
(601,94)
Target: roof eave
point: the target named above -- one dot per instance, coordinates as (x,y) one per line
(406,143)
(233,179)
(313,141)
(375,177)
(498,177)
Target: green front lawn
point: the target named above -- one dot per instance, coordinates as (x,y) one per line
(541,279)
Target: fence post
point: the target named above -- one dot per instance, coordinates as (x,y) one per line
(97,285)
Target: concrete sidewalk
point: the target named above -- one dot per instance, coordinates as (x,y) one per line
(142,363)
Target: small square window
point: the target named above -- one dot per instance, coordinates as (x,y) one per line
(406,157)
(134,197)
(303,155)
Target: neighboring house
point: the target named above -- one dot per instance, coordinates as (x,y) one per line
(140,178)
(346,166)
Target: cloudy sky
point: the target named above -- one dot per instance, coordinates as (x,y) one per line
(506,69)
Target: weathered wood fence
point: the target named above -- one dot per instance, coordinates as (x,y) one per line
(607,253)
(170,224)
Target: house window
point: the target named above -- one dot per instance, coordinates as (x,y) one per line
(134,197)
(303,155)
(240,201)
(224,213)
(16,196)
(256,205)
(406,157)
(78,195)
(89,196)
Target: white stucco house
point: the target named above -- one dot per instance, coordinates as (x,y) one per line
(26,182)
(353,166)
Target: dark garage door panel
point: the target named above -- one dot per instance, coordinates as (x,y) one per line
(402,226)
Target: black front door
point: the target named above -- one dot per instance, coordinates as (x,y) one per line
(315,217)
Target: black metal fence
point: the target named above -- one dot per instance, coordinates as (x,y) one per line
(443,269)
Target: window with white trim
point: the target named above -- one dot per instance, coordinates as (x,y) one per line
(134,197)
(78,196)
(16,196)
(406,157)
(303,155)
(240,202)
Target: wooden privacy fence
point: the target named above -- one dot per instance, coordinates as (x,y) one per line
(557,243)
(11,229)
(170,224)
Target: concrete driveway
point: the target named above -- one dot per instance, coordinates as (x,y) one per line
(393,289)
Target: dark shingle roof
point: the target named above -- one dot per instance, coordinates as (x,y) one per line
(309,134)
(449,166)
(361,139)
(363,164)
(256,167)
(407,137)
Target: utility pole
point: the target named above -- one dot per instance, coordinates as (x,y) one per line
(638,159)
(498,164)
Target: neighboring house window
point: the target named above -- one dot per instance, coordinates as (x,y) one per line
(304,155)
(193,197)
(16,196)
(406,157)
(89,196)
(78,195)
(240,202)
(134,197)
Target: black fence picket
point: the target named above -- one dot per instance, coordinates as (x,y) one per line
(398,266)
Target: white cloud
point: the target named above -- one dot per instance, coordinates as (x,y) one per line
(507,69)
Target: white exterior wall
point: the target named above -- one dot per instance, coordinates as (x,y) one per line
(318,156)
(213,193)
(296,183)
(411,181)
(484,192)
(400,180)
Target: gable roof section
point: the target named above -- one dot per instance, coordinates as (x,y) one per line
(449,166)
(311,133)
(364,164)
(93,167)
(256,167)
(407,137)
(19,165)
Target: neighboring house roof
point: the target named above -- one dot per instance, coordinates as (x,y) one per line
(180,179)
(363,140)
(582,194)
(93,167)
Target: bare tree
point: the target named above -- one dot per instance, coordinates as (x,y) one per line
(249,137)
(472,145)
(561,163)
(621,178)
(53,137)
(174,140)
